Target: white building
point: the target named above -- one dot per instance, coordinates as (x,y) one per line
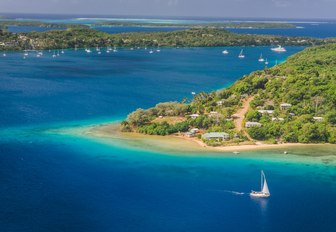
(318,119)
(252,124)
(216,135)
(266,111)
(194,116)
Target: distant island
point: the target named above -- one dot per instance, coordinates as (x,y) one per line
(196,37)
(294,102)
(224,25)
(4,24)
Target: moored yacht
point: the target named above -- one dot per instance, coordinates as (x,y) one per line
(279,49)
(225,52)
(264,193)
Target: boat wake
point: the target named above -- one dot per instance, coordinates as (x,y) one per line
(232,192)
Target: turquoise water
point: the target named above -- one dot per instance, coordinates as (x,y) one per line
(56,182)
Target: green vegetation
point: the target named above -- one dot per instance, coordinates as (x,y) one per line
(5,23)
(306,81)
(258,25)
(85,37)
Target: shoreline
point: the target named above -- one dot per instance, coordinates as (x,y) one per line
(111,134)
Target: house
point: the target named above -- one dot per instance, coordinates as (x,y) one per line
(285,106)
(318,119)
(278,119)
(194,116)
(219,103)
(194,130)
(216,135)
(252,124)
(266,111)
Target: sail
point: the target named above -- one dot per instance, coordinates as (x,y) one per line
(265,189)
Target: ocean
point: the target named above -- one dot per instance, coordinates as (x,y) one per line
(61,182)
(317,28)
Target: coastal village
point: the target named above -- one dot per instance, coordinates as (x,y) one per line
(263,107)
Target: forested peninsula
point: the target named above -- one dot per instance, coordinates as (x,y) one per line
(196,37)
(294,102)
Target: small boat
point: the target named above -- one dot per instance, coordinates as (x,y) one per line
(193,93)
(264,193)
(87,50)
(4,54)
(62,51)
(225,52)
(266,62)
(236,152)
(241,54)
(285,152)
(261,59)
(151,52)
(279,49)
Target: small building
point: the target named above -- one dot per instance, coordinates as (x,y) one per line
(318,119)
(266,111)
(278,119)
(292,114)
(285,106)
(252,124)
(219,103)
(194,116)
(189,134)
(216,135)
(214,114)
(194,130)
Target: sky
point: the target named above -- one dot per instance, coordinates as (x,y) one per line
(192,8)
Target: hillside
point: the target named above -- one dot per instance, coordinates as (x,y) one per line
(291,102)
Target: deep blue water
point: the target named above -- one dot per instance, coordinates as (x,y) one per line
(78,86)
(53,182)
(319,30)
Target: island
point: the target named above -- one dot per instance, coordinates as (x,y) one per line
(5,23)
(291,103)
(223,25)
(195,37)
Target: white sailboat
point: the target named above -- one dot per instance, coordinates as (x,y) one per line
(264,193)
(261,59)
(241,54)
(225,52)
(266,62)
